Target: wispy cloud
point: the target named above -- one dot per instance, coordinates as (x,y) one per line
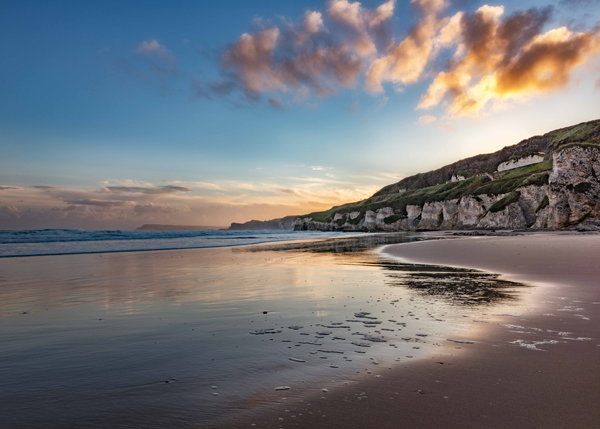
(427,119)
(170,189)
(99,203)
(379,104)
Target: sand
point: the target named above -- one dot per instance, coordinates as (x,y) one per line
(100,338)
(535,370)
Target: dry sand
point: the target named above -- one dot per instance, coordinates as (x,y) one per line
(494,383)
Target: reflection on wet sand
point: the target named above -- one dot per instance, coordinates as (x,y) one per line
(461,286)
(349,245)
(113,329)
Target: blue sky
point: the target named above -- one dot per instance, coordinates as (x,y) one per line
(100,107)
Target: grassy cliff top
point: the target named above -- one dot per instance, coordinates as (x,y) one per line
(587,132)
(435,186)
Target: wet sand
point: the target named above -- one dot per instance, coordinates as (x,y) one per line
(91,340)
(182,338)
(535,368)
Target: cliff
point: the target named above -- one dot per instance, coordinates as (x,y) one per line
(560,190)
(284,223)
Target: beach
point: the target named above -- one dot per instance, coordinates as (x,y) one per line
(534,367)
(355,331)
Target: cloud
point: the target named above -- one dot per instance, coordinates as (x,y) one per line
(312,24)
(170,189)
(161,62)
(427,119)
(405,62)
(201,185)
(45,187)
(354,107)
(250,60)
(472,60)
(158,210)
(361,24)
(509,58)
(154,49)
(6,188)
(276,103)
(98,203)
(578,3)
(299,58)
(379,104)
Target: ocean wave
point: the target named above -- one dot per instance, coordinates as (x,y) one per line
(69,235)
(78,241)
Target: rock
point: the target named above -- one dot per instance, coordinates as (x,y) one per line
(521,162)
(431,216)
(461,341)
(511,217)
(266,331)
(470,212)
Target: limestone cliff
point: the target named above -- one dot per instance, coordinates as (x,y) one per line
(562,191)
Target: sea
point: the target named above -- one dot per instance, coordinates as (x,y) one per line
(76,241)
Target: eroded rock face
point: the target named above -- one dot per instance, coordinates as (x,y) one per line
(432,216)
(511,217)
(541,221)
(450,214)
(470,210)
(413,212)
(529,201)
(382,214)
(573,192)
(574,188)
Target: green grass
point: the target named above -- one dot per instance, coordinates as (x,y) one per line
(500,205)
(586,132)
(529,169)
(578,144)
(325,216)
(391,219)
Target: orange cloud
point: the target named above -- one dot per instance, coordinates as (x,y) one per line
(362,24)
(474,59)
(508,59)
(251,59)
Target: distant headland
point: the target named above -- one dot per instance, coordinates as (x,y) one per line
(152,227)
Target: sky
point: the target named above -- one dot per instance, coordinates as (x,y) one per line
(114,114)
